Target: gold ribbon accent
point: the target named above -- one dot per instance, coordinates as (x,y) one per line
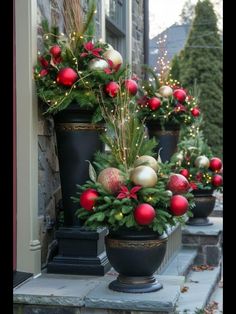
(144,244)
(79,127)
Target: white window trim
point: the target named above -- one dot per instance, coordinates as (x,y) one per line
(28,245)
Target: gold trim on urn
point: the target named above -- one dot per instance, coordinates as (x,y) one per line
(114,243)
(79,127)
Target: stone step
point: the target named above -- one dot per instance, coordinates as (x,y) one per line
(199,288)
(217,299)
(71,294)
(181,263)
(207,239)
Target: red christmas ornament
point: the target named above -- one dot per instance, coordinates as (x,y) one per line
(215,164)
(154,103)
(180,95)
(131,86)
(217,180)
(178,184)
(112,89)
(195,112)
(184,173)
(111,179)
(178,205)
(144,214)
(88,199)
(66,77)
(55,51)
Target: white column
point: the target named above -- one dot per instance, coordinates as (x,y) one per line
(28,245)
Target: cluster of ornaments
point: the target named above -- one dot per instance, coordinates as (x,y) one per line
(144,174)
(214,164)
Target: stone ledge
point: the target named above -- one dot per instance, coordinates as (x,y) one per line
(214,229)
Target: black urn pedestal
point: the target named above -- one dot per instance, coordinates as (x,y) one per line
(136,256)
(80,251)
(167,138)
(205,203)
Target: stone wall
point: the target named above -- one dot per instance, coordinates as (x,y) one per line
(49,192)
(137,36)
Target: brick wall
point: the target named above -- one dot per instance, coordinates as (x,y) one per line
(49,180)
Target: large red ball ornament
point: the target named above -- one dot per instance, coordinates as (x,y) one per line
(180,95)
(66,77)
(55,51)
(144,214)
(195,112)
(111,179)
(131,86)
(88,199)
(178,205)
(154,103)
(215,164)
(112,89)
(184,173)
(217,180)
(178,184)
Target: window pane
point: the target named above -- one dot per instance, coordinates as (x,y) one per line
(115,11)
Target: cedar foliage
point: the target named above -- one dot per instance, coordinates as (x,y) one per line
(202,60)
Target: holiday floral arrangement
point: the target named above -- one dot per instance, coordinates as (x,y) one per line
(195,161)
(167,102)
(130,188)
(74,66)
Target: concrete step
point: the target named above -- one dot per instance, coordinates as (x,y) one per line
(216,299)
(181,263)
(199,288)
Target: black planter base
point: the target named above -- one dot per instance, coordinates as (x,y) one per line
(199,222)
(135,284)
(80,252)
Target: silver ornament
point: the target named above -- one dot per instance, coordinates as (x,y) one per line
(202,162)
(97,64)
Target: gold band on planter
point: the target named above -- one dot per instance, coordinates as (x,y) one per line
(79,127)
(169,132)
(113,243)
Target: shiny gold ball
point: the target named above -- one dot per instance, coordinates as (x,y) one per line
(97,64)
(146,160)
(144,176)
(166,91)
(202,162)
(114,56)
(180,156)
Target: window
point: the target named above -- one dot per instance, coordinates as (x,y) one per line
(116,28)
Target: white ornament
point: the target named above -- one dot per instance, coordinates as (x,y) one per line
(98,64)
(166,91)
(114,56)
